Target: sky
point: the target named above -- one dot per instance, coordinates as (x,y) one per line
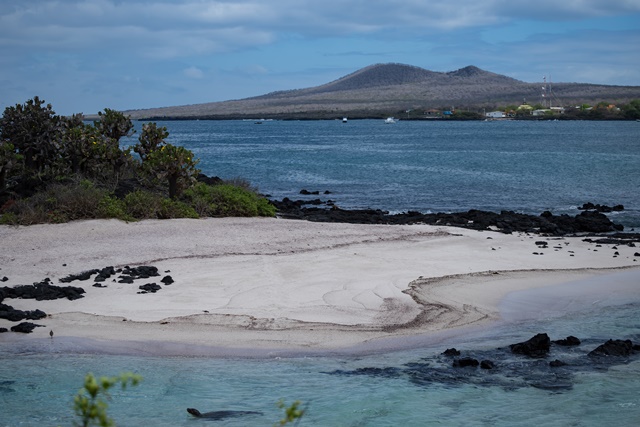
(88,55)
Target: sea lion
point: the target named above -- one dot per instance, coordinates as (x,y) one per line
(220,415)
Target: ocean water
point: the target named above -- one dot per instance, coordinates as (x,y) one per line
(412,387)
(432,166)
(423,166)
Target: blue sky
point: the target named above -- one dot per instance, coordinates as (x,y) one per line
(87,55)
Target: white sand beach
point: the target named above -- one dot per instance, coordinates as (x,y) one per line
(266,283)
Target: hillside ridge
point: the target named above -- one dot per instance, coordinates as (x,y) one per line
(383,89)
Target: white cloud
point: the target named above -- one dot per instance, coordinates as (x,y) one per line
(193,73)
(227,25)
(97,43)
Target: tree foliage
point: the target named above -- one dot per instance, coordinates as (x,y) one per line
(150,140)
(45,158)
(34,131)
(114,125)
(174,164)
(9,161)
(632,110)
(90,404)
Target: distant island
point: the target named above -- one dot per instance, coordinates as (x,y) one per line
(414,93)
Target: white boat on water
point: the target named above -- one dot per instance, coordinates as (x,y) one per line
(344,120)
(390,120)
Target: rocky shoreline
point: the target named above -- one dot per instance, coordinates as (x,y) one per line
(591,219)
(538,362)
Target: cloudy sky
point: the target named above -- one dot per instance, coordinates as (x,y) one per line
(87,55)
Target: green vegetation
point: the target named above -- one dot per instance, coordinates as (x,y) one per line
(58,169)
(90,404)
(292,413)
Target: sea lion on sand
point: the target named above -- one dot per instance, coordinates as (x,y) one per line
(220,415)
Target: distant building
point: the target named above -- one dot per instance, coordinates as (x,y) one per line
(540,112)
(496,115)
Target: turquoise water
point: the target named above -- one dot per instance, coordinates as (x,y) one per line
(407,166)
(428,166)
(36,388)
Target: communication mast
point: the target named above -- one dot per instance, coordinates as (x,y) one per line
(546,90)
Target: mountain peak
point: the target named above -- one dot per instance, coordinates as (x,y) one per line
(468,71)
(379,75)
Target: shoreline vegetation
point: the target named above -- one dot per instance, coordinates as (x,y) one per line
(56,169)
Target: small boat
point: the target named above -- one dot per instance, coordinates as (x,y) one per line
(344,120)
(390,120)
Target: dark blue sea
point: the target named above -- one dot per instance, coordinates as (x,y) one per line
(425,166)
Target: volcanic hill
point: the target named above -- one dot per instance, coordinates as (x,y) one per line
(385,89)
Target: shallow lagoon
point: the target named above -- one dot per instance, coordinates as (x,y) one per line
(37,382)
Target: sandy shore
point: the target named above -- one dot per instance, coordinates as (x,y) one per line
(271,284)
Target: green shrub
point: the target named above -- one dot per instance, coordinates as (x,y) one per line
(60,202)
(26,212)
(9,218)
(175,209)
(67,202)
(146,205)
(227,200)
(142,204)
(112,207)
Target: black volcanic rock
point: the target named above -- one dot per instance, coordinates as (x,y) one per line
(141,272)
(85,275)
(42,291)
(9,313)
(537,346)
(149,288)
(568,342)
(451,352)
(601,208)
(25,327)
(104,274)
(465,362)
(617,348)
(209,180)
(512,372)
(487,364)
(505,221)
